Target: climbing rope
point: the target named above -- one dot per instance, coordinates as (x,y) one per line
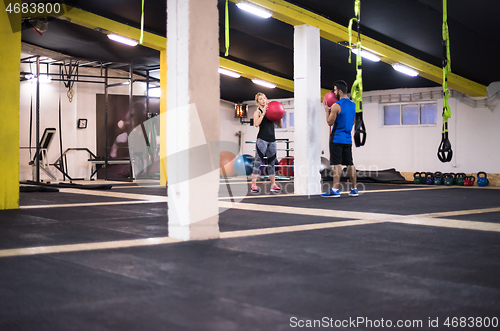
(445,152)
(357,86)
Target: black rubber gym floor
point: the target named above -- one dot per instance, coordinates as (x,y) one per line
(351,272)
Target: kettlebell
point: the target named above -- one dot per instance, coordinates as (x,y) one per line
(429,178)
(416,178)
(423,177)
(460,179)
(448,179)
(469,180)
(482,181)
(438,178)
(454,177)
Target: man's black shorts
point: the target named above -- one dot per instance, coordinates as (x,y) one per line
(340,154)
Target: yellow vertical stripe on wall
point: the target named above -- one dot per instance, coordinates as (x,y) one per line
(163,117)
(10,56)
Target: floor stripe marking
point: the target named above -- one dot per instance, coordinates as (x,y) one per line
(307,211)
(413,220)
(88,204)
(87,246)
(293,228)
(115,194)
(461,212)
(448,223)
(168,240)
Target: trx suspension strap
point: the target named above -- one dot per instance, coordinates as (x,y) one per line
(357,87)
(226,29)
(141,40)
(445,153)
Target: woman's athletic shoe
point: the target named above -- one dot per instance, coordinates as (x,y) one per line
(276,189)
(254,189)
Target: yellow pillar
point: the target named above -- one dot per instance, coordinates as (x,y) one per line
(163,117)
(10,55)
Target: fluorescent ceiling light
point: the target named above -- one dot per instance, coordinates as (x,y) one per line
(405,70)
(367,55)
(256,10)
(228,73)
(154,92)
(263,83)
(123,40)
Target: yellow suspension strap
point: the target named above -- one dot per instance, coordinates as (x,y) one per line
(445,153)
(142,25)
(226,29)
(357,87)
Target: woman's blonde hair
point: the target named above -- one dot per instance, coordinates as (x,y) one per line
(257,97)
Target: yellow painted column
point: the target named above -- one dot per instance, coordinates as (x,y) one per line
(10,55)
(163,117)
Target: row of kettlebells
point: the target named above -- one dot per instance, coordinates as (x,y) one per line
(449,178)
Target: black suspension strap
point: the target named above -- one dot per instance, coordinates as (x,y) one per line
(445,153)
(31,117)
(63,164)
(69,77)
(357,87)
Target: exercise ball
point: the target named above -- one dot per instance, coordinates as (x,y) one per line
(275,111)
(330,98)
(243,165)
(226,163)
(249,161)
(286,171)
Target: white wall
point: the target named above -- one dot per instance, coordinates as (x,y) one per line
(473,133)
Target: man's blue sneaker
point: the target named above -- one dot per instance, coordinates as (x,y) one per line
(331,194)
(354,192)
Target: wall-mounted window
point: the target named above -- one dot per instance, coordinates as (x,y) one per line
(288,121)
(410,114)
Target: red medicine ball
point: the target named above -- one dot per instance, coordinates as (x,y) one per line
(330,98)
(275,111)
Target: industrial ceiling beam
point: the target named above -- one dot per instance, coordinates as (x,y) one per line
(93,21)
(294,15)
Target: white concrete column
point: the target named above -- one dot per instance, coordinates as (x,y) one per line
(308,111)
(192,118)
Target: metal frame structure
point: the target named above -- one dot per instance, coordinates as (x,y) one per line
(76,77)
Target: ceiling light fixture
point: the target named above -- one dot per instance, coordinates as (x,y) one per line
(123,40)
(228,73)
(256,10)
(367,55)
(405,70)
(263,83)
